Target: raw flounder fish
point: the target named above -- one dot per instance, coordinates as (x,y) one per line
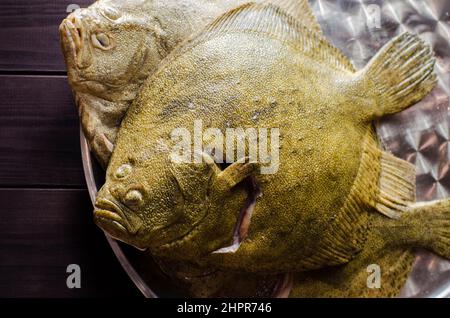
(112,46)
(337,204)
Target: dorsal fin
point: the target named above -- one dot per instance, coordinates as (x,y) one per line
(301,10)
(273,21)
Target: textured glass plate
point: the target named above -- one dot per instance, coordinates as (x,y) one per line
(420,134)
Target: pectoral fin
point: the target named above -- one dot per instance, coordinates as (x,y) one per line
(235,174)
(196,179)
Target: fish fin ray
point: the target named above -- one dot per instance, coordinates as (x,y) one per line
(301,10)
(384,184)
(397,186)
(400,75)
(270,20)
(389,184)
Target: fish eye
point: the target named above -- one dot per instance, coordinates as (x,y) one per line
(101,41)
(110,13)
(133,198)
(123,171)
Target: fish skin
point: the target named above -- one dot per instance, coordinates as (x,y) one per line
(329,155)
(184,79)
(105,80)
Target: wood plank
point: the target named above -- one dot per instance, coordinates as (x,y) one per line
(43,231)
(29,33)
(39,133)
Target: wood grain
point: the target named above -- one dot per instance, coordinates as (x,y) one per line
(29,34)
(41,233)
(46,214)
(39,133)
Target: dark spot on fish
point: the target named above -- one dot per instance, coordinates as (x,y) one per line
(172,109)
(273,103)
(264,112)
(257,100)
(132,160)
(255,115)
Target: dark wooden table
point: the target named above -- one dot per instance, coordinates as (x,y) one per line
(45,211)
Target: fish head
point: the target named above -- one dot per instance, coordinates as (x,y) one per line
(151,201)
(110,47)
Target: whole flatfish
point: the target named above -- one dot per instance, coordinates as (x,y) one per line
(336,202)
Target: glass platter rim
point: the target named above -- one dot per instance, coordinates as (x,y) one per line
(440,291)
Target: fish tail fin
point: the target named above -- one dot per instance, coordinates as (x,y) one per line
(400,75)
(429,225)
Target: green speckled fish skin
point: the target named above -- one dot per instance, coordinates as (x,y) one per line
(112,46)
(319,209)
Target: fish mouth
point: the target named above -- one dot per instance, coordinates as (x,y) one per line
(112,217)
(106,210)
(71,35)
(109,216)
(122,224)
(75,41)
(78,56)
